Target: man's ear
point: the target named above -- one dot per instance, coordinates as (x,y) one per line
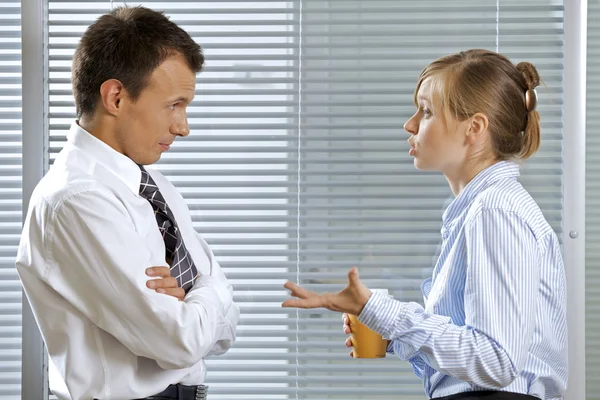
(112,93)
(478,126)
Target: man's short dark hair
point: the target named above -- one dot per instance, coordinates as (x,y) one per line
(127,44)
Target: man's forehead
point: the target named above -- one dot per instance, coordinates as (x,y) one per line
(175,67)
(173,75)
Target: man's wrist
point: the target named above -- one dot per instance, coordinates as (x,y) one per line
(216,286)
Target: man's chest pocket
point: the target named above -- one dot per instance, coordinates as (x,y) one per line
(147,227)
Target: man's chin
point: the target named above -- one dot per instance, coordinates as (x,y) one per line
(146,160)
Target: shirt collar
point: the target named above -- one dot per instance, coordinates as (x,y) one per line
(120,165)
(490,175)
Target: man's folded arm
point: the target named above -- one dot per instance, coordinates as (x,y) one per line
(98,263)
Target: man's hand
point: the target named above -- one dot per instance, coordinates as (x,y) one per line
(351,300)
(165,283)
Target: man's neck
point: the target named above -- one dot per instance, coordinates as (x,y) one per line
(95,127)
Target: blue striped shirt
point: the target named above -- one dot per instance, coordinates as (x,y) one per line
(494,315)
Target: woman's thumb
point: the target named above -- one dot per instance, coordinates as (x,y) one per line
(353,277)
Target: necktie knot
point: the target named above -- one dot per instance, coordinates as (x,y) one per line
(147,185)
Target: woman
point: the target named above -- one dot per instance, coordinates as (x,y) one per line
(493,325)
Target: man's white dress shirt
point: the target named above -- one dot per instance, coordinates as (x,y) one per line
(87,241)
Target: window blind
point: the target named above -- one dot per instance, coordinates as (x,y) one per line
(592,218)
(10,198)
(297,166)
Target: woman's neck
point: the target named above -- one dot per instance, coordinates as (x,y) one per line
(461,177)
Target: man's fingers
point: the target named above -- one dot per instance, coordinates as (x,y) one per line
(175,292)
(169,282)
(162,272)
(165,283)
(349,342)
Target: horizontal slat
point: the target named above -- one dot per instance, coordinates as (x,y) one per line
(329,264)
(280,147)
(313,391)
(275,309)
(385,4)
(234,92)
(245,125)
(551,133)
(315,380)
(318,7)
(302,344)
(387,28)
(536,39)
(331,319)
(14,10)
(394,373)
(349,18)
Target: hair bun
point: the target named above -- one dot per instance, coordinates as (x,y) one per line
(530,74)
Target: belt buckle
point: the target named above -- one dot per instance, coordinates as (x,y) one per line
(201,391)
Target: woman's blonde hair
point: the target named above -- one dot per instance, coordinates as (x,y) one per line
(482,81)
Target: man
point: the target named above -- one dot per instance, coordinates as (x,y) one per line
(129,299)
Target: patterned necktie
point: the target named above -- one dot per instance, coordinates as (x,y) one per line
(177,256)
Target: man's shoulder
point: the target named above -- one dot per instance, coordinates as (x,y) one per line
(63,183)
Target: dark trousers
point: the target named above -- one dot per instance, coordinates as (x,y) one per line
(181,392)
(487,395)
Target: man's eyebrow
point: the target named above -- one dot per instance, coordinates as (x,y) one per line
(180,99)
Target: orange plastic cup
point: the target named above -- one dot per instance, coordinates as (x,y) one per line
(365,342)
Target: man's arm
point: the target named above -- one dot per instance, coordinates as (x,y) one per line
(97,262)
(228,337)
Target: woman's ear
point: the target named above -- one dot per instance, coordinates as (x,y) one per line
(478,125)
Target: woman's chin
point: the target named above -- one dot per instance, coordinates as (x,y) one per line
(421,165)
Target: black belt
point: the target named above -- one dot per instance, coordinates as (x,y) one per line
(182,392)
(487,395)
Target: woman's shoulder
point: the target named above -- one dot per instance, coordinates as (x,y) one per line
(509,200)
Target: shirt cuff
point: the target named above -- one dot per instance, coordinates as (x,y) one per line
(387,316)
